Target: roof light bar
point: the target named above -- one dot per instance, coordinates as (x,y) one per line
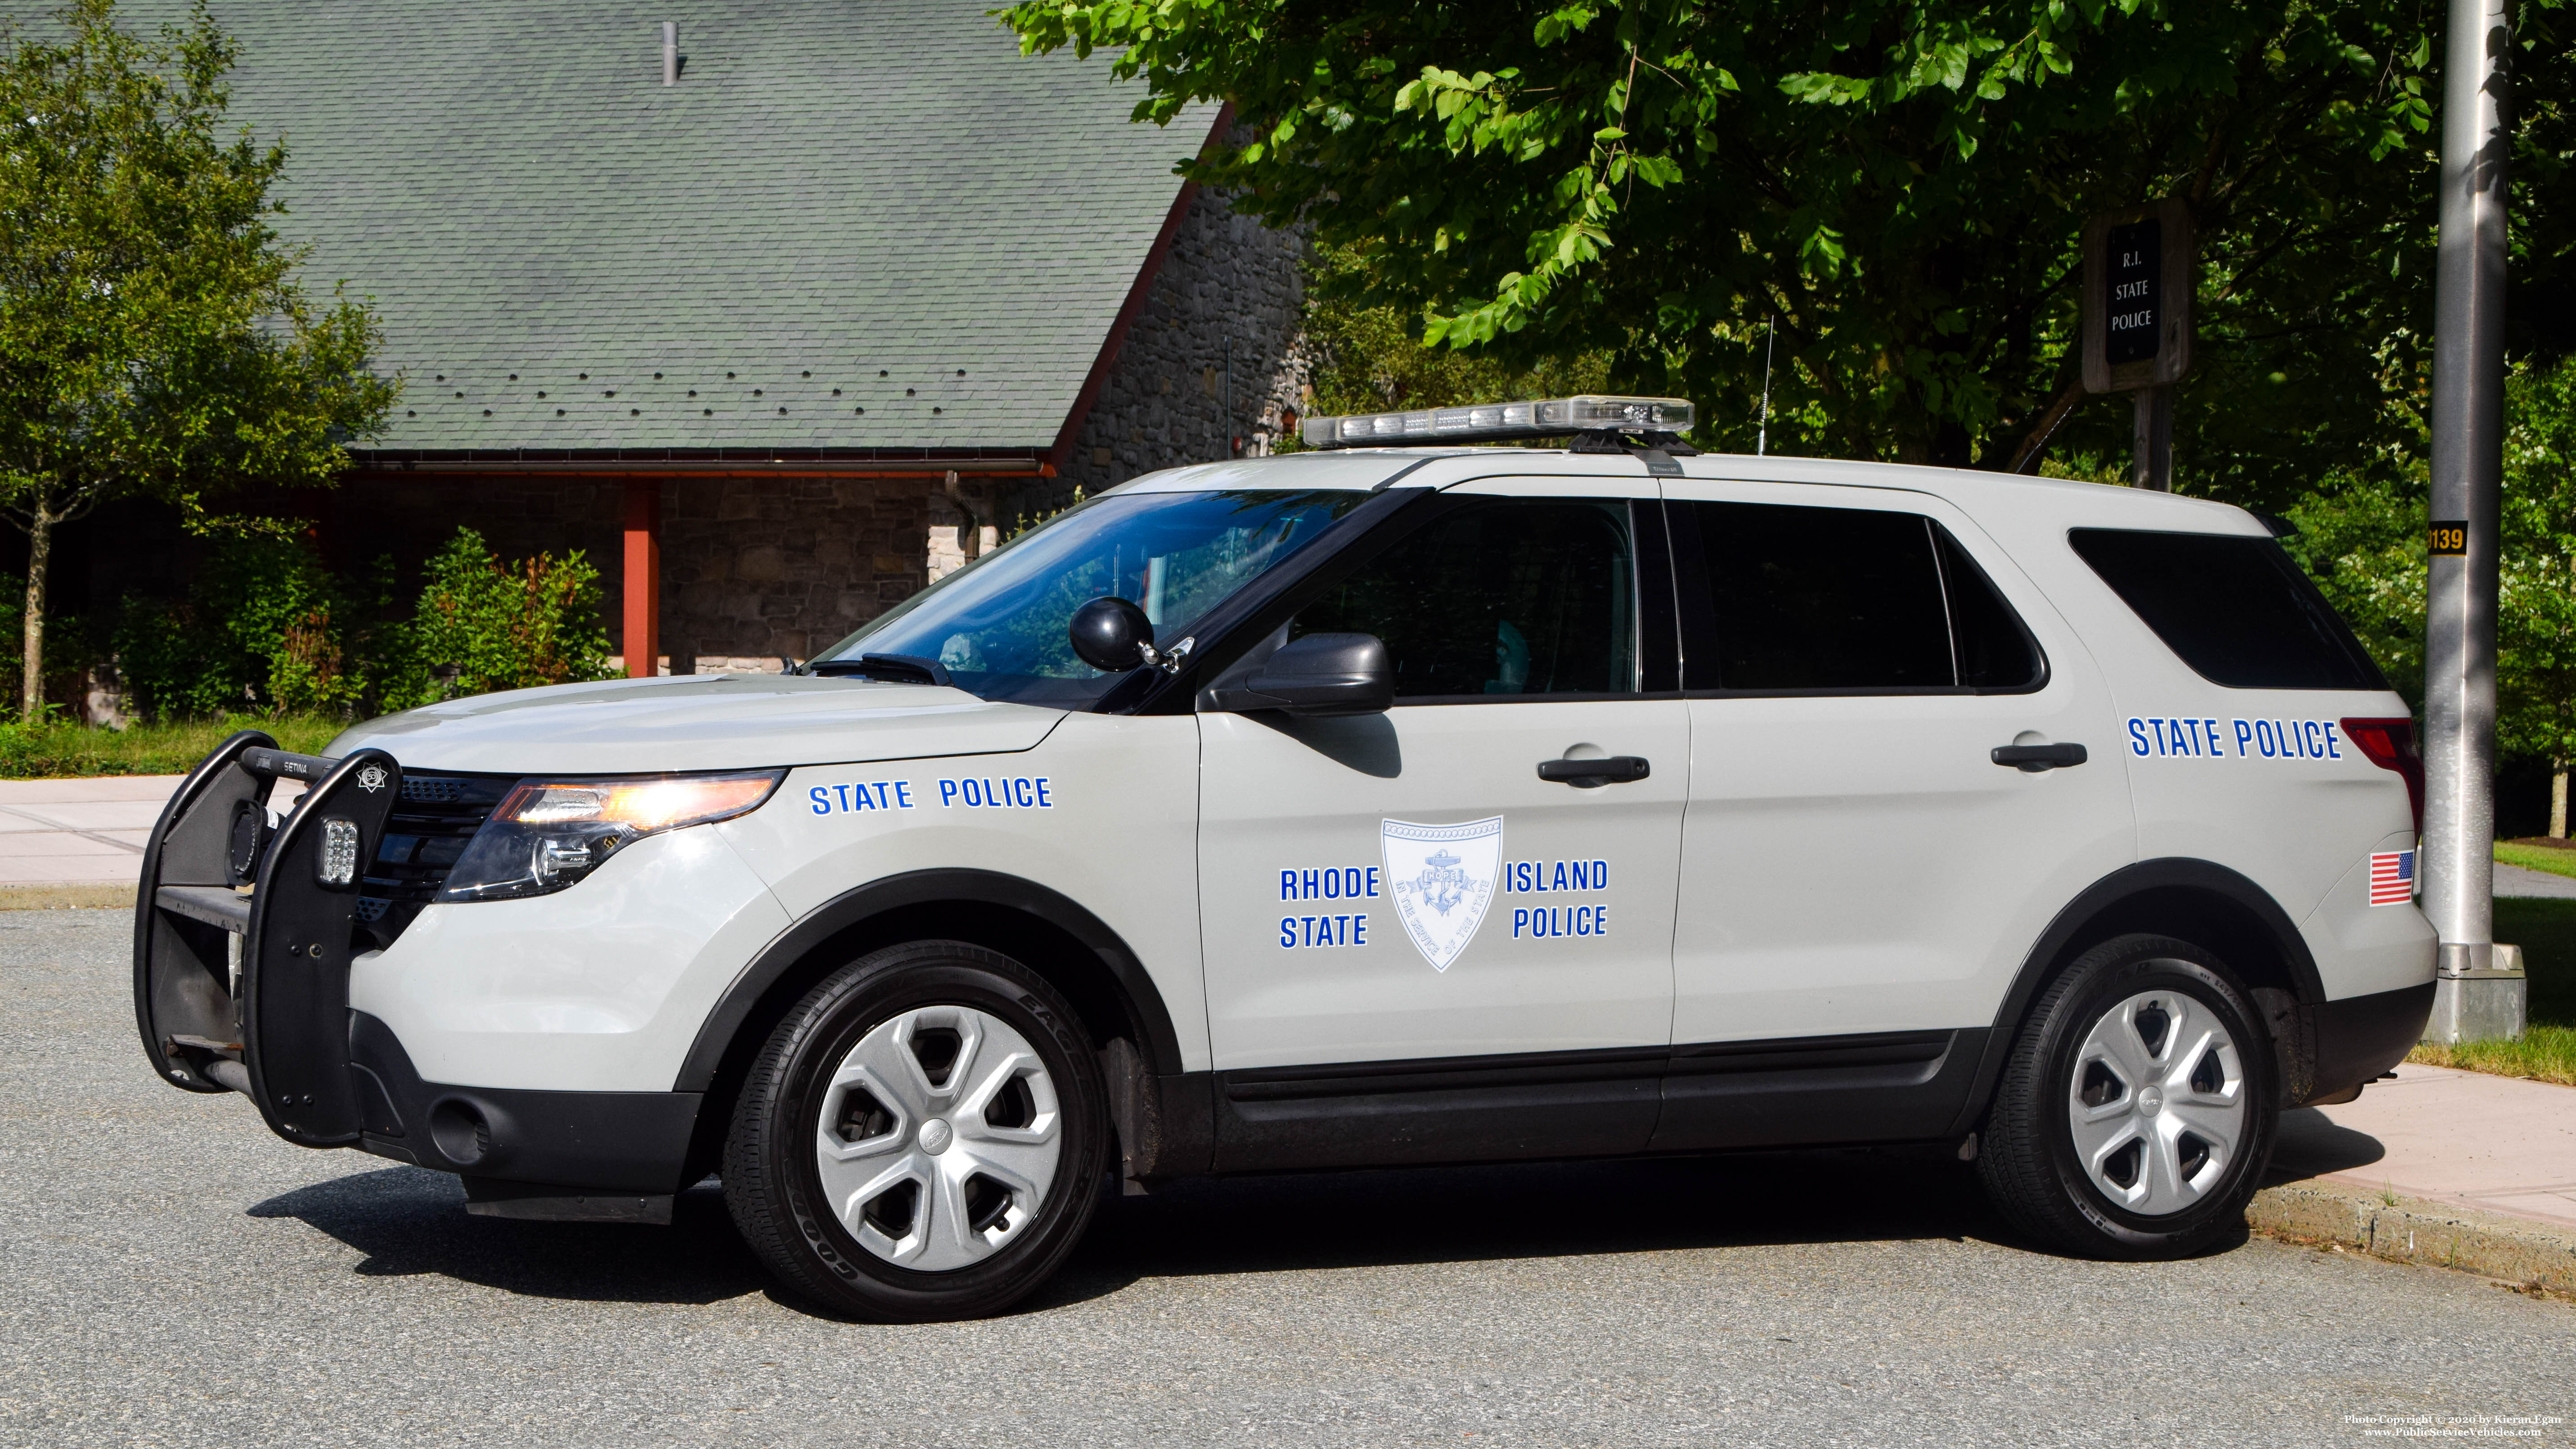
(1494,422)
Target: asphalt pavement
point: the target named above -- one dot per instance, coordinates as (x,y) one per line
(171,1273)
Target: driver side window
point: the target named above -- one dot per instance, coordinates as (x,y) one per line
(1503,598)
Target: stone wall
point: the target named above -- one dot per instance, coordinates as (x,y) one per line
(1166,400)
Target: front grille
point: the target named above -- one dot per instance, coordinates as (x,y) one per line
(432,821)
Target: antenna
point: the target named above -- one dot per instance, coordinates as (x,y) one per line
(1762,436)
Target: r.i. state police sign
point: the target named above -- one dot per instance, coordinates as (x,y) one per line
(2137,297)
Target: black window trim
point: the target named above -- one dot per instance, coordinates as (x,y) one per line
(1936,532)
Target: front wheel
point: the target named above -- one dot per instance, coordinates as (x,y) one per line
(923,1137)
(2135,1114)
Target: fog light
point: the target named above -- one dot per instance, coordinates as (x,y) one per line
(562,854)
(339,852)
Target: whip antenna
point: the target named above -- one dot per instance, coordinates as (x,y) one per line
(1762,435)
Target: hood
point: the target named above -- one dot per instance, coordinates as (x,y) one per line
(699,722)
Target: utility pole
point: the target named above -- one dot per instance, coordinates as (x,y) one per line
(2472,997)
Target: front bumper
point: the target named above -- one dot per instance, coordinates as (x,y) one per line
(245,938)
(524,1152)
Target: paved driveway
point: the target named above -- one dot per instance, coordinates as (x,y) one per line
(171,1274)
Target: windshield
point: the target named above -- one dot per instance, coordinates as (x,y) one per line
(999,626)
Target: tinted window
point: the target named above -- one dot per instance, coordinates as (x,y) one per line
(1503,597)
(1817,598)
(1842,599)
(1994,650)
(2236,609)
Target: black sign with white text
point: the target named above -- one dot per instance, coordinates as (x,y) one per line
(2135,282)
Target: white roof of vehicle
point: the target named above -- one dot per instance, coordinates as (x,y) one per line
(1986,494)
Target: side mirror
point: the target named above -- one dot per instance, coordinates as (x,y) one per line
(1112,634)
(1318,675)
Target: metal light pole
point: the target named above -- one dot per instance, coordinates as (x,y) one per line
(2472,998)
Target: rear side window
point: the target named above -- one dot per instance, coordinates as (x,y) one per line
(2236,609)
(1840,599)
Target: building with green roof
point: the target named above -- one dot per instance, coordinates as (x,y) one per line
(752,314)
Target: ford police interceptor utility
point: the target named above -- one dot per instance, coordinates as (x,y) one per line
(1362,806)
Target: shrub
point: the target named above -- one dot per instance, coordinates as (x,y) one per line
(498,626)
(263,628)
(267,629)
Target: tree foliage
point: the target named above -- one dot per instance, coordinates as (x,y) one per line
(1900,184)
(2364,543)
(153,338)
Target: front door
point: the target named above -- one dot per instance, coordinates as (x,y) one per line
(1416,945)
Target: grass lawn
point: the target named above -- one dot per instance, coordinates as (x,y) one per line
(52,751)
(2546,932)
(2558,857)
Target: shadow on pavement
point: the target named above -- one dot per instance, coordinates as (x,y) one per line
(407,1220)
(1538,1210)
(2308,1145)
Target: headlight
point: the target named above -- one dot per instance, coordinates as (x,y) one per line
(547,834)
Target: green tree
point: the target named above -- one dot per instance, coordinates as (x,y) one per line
(2362,539)
(1901,184)
(153,338)
(1368,359)
(2536,604)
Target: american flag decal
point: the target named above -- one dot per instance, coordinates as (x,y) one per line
(2392,877)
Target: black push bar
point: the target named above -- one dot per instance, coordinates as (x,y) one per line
(244,927)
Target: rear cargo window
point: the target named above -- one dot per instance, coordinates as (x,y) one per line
(2236,609)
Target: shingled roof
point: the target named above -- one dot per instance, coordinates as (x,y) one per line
(863,225)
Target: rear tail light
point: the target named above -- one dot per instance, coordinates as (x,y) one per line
(2390,744)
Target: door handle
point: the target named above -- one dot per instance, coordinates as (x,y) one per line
(2031,759)
(1593,774)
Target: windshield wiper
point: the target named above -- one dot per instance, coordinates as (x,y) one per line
(884,668)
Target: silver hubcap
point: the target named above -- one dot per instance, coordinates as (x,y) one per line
(2158,1103)
(938,1138)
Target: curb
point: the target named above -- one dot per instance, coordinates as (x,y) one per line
(77,896)
(2412,1230)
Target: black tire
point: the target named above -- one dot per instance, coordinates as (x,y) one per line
(2028,1157)
(773,1180)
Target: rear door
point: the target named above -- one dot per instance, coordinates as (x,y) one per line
(1417,947)
(1860,878)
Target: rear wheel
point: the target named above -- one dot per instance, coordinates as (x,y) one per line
(2136,1111)
(921,1138)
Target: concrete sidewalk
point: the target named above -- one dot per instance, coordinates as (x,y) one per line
(2455,1169)
(78,832)
(2463,1139)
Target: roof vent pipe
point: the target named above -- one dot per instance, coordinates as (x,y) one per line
(670,52)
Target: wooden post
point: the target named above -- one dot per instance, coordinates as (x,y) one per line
(642,584)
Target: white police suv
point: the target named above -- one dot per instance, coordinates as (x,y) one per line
(1363,806)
